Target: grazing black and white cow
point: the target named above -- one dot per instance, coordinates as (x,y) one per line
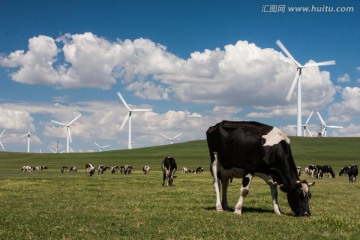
(351,171)
(114,169)
(199,170)
(168,167)
(127,169)
(26,169)
(185,170)
(63,168)
(146,169)
(310,170)
(102,169)
(73,169)
(89,169)
(39,168)
(246,149)
(321,170)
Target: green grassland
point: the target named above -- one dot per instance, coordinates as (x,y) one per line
(52,205)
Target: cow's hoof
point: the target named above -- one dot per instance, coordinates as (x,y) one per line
(219,209)
(237,212)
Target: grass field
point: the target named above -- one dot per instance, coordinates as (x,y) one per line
(52,205)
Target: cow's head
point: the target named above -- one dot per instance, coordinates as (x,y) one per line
(298,198)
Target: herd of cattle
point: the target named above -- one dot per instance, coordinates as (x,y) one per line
(242,149)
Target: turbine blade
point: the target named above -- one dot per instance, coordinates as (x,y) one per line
(74,119)
(318,64)
(142,110)
(321,119)
(165,136)
(2,133)
(123,100)
(335,126)
(291,90)
(60,123)
(2,146)
(307,129)
(287,53)
(106,146)
(125,120)
(97,144)
(176,136)
(308,118)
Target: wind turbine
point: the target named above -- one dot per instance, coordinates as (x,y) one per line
(324,126)
(171,139)
(28,134)
(305,126)
(68,135)
(297,80)
(0,141)
(128,117)
(101,147)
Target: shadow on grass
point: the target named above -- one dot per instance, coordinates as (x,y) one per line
(248,209)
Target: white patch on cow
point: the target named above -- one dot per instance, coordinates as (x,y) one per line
(274,137)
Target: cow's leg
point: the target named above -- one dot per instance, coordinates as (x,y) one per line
(164,177)
(244,190)
(225,185)
(214,172)
(274,195)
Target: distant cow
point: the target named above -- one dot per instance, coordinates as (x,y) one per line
(168,167)
(89,169)
(39,168)
(351,171)
(199,170)
(26,169)
(63,168)
(73,169)
(310,170)
(321,170)
(128,169)
(114,169)
(185,170)
(146,169)
(246,149)
(102,169)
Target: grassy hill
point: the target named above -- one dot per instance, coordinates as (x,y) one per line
(52,205)
(332,151)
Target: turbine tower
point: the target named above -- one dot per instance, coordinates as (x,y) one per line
(0,141)
(324,126)
(101,147)
(28,134)
(171,139)
(68,135)
(297,80)
(128,117)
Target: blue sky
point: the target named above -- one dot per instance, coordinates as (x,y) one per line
(194,63)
